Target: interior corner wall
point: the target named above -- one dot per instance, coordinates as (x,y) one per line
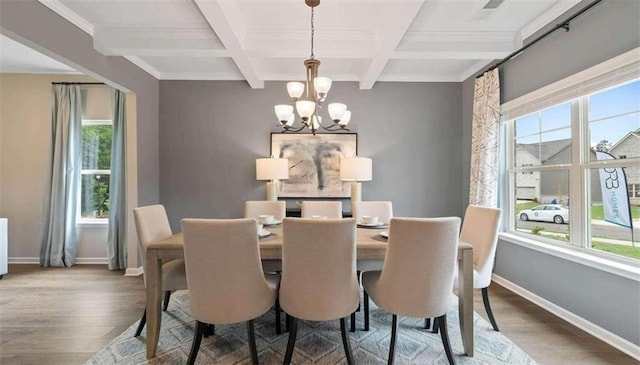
(35,25)
(211,132)
(605,31)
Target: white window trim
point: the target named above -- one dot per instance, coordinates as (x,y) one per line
(578,255)
(615,71)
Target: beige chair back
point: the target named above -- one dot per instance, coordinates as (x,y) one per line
(319,281)
(381,209)
(152,225)
(329,209)
(417,275)
(255,208)
(224,272)
(480,229)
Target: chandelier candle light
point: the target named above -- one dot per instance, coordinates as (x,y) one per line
(317,90)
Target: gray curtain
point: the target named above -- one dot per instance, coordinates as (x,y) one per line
(60,241)
(116,243)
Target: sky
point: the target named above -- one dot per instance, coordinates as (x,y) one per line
(616,101)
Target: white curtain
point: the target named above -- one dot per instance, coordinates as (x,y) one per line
(60,241)
(483,189)
(116,242)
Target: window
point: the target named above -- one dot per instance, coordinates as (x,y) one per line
(569,166)
(97,133)
(96,169)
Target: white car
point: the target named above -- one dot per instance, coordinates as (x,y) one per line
(547,213)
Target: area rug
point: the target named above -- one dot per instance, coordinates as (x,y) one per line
(317,342)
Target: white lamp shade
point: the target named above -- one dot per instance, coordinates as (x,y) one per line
(289,122)
(322,84)
(295,89)
(284,112)
(337,110)
(345,118)
(305,108)
(356,169)
(272,168)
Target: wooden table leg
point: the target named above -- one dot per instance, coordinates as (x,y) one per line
(154,290)
(465,300)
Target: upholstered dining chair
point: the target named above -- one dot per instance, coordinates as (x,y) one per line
(381,209)
(255,208)
(224,273)
(480,229)
(152,225)
(417,276)
(329,209)
(318,274)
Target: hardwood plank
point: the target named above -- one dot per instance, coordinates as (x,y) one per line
(64,315)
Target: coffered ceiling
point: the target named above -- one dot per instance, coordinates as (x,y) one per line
(356,40)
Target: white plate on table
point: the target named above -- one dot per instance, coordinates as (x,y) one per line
(384,234)
(263,233)
(272,223)
(376,224)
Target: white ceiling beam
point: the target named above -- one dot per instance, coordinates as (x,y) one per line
(157,41)
(213,12)
(450,55)
(389,37)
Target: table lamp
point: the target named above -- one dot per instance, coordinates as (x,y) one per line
(356,169)
(272,169)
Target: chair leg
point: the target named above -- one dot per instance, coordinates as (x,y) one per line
(442,323)
(487,307)
(427,323)
(167,295)
(278,324)
(436,325)
(353,322)
(345,341)
(293,331)
(392,345)
(209,331)
(195,346)
(251,334)
(143,320)
(366,311)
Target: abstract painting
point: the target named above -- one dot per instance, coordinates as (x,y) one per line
(314,163)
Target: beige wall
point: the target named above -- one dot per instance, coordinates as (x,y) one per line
(25,140)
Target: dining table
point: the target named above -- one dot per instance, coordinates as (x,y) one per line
(371,249)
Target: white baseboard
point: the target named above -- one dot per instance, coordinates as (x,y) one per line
(24,260)
(612,339)
(134,271)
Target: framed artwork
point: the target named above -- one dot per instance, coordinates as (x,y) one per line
(314,163)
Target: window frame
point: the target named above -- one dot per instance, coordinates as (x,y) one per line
(79,219)
(578,248)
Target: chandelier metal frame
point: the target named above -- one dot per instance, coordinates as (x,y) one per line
(317,89)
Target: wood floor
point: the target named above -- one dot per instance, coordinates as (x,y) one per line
(63,316)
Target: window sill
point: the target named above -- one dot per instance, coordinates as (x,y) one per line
(577,255)
(92,223)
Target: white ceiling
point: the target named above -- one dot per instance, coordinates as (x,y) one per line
(17,58)
(356,40)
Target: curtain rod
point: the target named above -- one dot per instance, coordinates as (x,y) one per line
(564,25)
(78,83)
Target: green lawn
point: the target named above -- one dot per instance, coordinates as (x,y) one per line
(597,212)
(628,251)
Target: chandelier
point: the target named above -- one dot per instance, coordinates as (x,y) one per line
(308,106)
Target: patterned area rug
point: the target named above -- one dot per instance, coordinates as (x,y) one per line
(317,342)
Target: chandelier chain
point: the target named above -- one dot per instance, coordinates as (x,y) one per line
(312,33)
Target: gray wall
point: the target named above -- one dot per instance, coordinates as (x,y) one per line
(211,132)
(610,301)
(35,25)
